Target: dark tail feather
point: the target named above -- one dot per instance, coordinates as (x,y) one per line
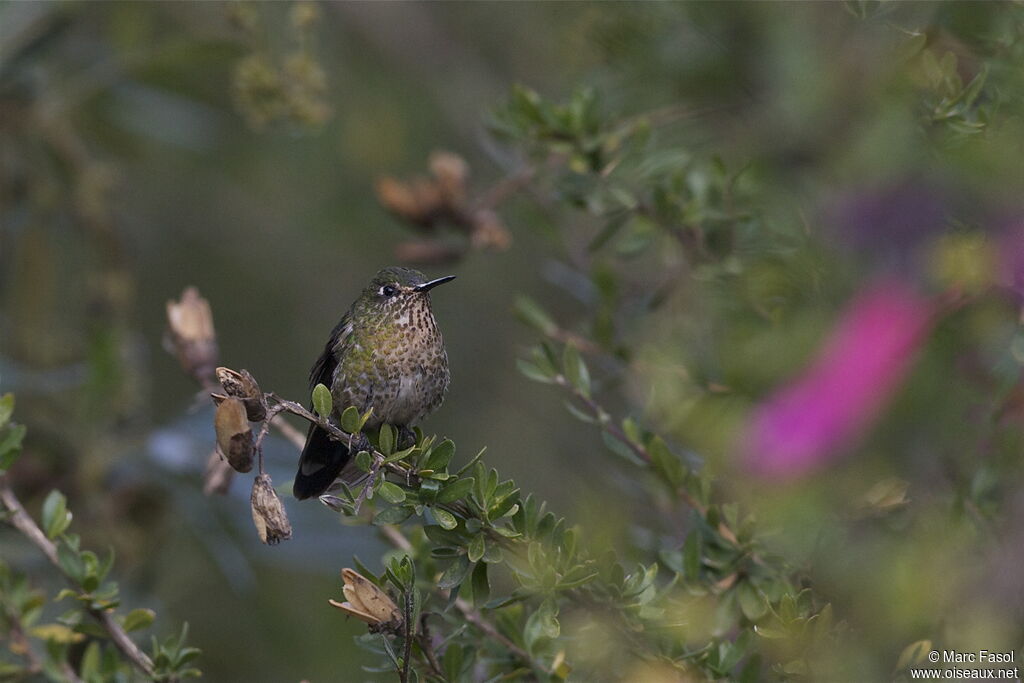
(321,461)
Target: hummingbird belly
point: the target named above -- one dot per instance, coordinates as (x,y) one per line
(402,400)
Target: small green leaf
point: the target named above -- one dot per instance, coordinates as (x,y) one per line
(440,456)
(455,574)
(445,519)
(393,515)
(481,586)
(322,401)
(351,422)
(10,445)
(532,314)
(477,547)
(456,490)
(71,563)
(138,619)
(575,369)
(532,371)
(392,493)
(56,517)
(386,439)
(751,601)
(363,461)
(542,624)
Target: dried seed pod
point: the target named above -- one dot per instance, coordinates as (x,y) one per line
(268,512)
(451,171)
(191,333)
(234,435)
(242,385)
(367,602)
(398,198)
(488,232)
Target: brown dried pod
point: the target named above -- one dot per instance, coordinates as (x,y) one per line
(451,171)
(268,512)
(242,385)
(191,333)
(398,198)
(367,602)
(488,232)
(234,435)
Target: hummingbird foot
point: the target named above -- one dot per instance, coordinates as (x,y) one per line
(359,442)
(406,438)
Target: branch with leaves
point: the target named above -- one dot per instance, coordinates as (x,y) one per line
(96,596)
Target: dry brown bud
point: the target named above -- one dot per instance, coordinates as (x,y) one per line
(451,172)
(218,475)
(367,602)
(488,232)
(268,513)
(191,333)
(398,198)
(242,385)
(234,436)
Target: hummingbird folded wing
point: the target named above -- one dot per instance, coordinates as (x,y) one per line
(322,457)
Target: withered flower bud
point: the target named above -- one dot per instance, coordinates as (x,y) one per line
(488,232)
(234,435)
(218,475)
(191,333)
(450,170)
(398,198)
(243,386)
(367,602)
(268,513)
(419,202)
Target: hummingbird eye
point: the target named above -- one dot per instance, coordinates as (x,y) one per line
(388,290)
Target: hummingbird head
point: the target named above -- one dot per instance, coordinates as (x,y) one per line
(395,289)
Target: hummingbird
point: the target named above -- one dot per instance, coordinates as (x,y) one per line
(387,354)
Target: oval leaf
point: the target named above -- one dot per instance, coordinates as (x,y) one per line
(322,401)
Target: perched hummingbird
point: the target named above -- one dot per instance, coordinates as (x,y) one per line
(386,354)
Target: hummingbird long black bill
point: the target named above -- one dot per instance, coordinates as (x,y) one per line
(427,286)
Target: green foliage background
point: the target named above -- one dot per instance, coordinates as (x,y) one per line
(144,150)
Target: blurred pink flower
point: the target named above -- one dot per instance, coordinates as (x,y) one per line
(860,366)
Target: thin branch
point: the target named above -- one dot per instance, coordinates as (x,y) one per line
(505,188)
(21,520)
(378,460)
(473,616)
(19,642)
(427,646)
(603,418)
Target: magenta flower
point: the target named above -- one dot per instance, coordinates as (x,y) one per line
(862,363)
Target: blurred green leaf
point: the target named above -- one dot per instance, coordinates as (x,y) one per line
(56,517)
(138,619)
